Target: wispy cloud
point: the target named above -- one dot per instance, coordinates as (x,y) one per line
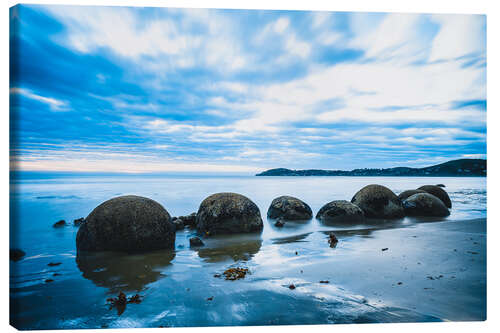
(205,89)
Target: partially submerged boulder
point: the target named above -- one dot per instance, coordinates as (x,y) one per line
(425,204)
(437,192)
(227,213)
(378,201)
(340,211)
(406,194)
(289,208)
(127,223)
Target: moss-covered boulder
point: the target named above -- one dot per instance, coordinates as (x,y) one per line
(425,204)
(378,201)
(340,211)
(128,223)
(227,213)
(437,192)
(289,208)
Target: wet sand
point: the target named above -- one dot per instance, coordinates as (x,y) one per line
(436,269)
(429,271)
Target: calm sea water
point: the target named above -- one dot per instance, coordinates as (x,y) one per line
(176,284)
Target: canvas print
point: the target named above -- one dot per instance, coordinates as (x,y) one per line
(176,167)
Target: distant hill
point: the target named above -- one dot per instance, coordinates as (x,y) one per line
(456,168)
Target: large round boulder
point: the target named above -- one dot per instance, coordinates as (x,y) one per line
(227,213)
(425,204)
(340,211)
(437,192)
(406,194)
(128,223)
(378,201)
(289,208)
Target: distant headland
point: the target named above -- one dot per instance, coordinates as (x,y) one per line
(455,168)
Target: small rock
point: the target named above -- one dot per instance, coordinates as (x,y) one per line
(78,222)
(385,249)
(400,283)
(16,254)
(53,264)
(292,286)
(235,273)
(59,224)
(279,223)
(195,241)
(332,240)
(324,281)
(217,275)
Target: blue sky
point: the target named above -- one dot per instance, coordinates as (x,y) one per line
(127,89)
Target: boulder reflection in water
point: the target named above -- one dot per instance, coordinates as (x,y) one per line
(124,272)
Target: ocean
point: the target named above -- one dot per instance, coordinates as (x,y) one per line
(179,287)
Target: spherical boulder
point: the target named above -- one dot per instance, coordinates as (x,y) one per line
(425,204)
(437,192)
(127,223)
(340,211)
(289,208)
(227,213)
(378,201)
(406,194)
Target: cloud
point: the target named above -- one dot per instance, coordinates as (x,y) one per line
(459,35)
(54,104)
(167,89)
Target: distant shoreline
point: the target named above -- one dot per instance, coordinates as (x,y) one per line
(455,168)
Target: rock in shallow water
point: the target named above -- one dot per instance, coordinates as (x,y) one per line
(425,204)
(289,208)
(128,223)
(195,241)
(378,201)
(227,213)
(59,224)
(340,211)
(437,192)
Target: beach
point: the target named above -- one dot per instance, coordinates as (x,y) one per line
(404,270)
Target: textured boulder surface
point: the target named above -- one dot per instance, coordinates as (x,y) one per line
(425,204)
(289,208)
(227,213)
(340,211)
(406,194)
(128,223)
(378,201)
(437,192)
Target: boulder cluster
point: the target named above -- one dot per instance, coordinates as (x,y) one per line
(133,223)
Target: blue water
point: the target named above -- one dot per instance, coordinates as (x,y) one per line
(174,283)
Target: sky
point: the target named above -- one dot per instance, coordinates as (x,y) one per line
(131,89)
